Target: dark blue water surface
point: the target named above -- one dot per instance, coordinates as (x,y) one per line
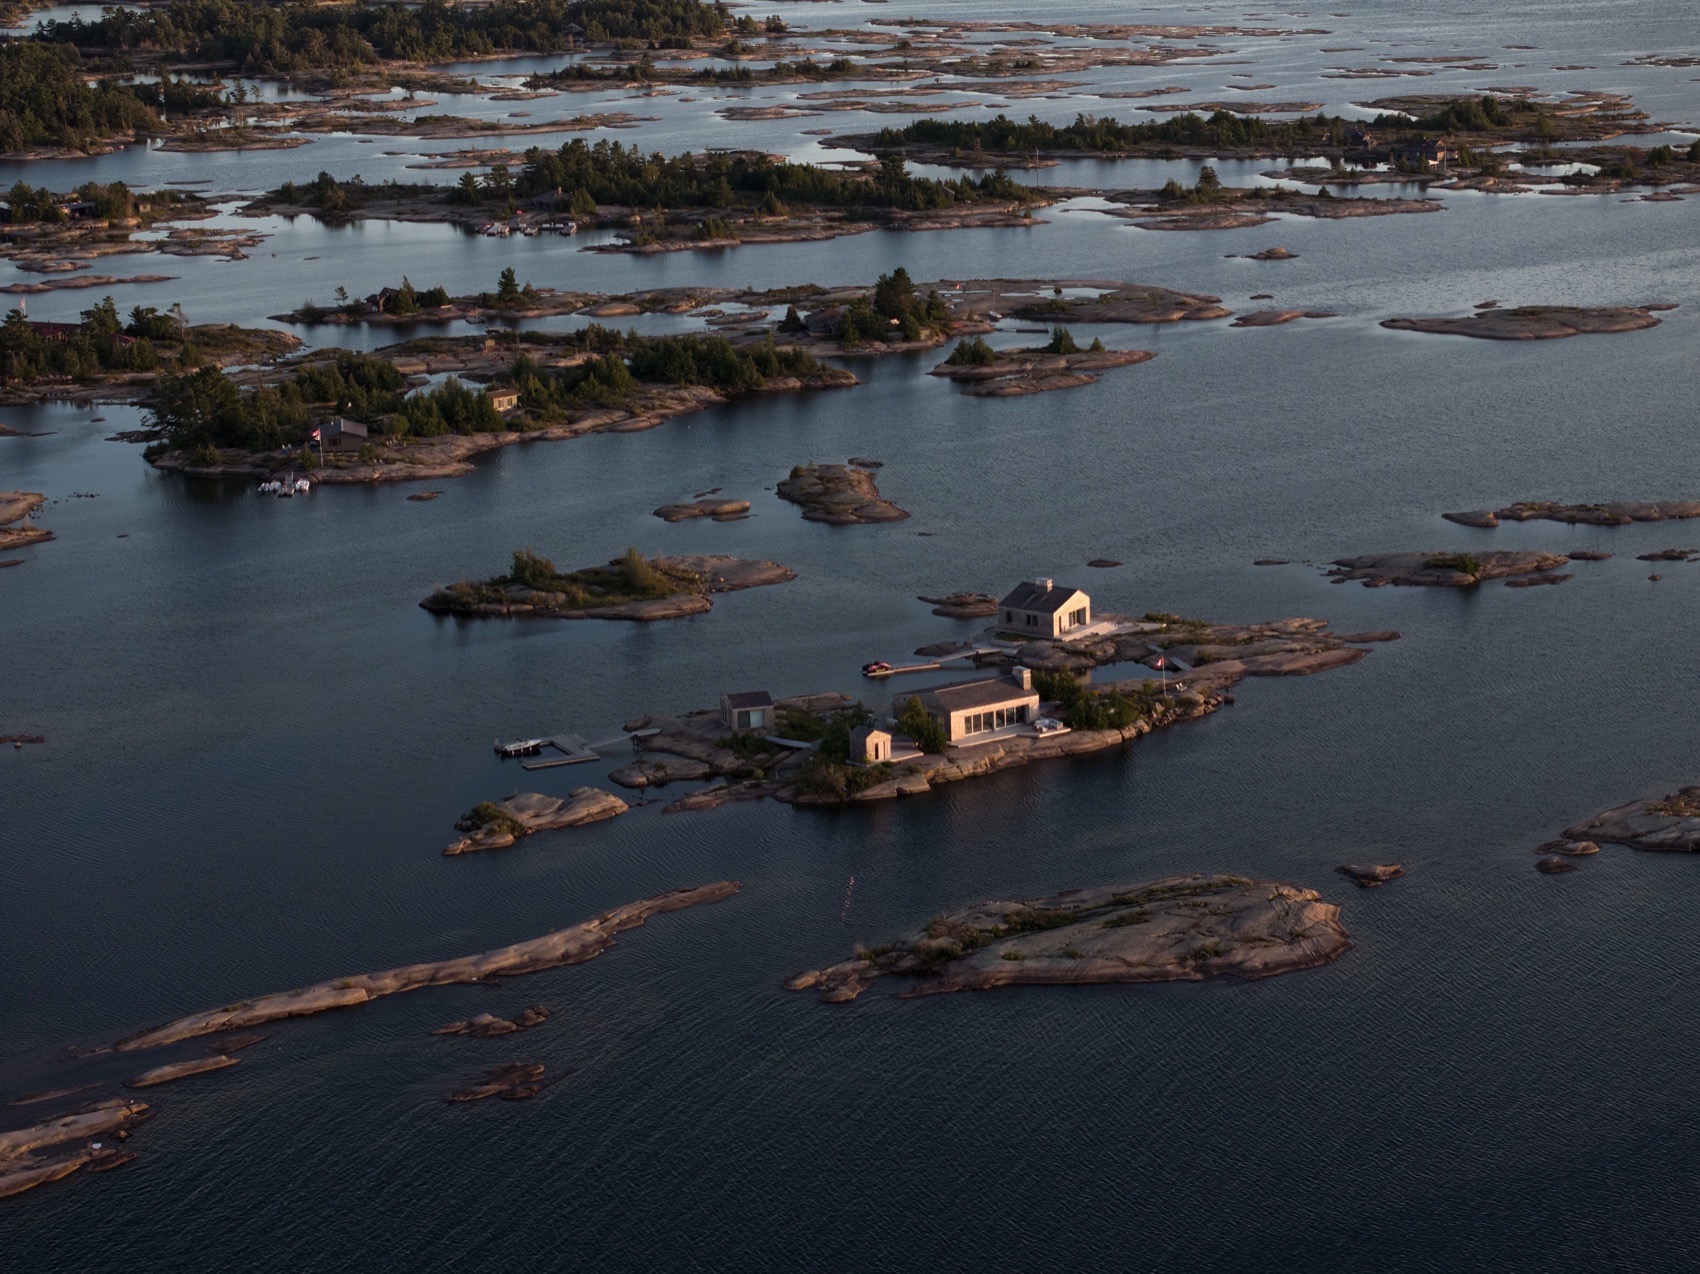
(258,744)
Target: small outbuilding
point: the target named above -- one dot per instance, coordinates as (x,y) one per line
(870,745)
(504,400)
(747,710)
(342,435)
(1042,608)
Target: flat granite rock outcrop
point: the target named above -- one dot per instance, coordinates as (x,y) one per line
(1371,877)
(838,494)
(1440,570)
(485,1026)
(961,606)
(719,510)
(529,812)
(181,1070)
(59,1146)
(1275,318)
(1619,513)
(1670,824)
(572,945)
(15,506)
(1533,322)
(1180,928)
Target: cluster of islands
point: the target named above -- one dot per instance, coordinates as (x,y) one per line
(1048,680)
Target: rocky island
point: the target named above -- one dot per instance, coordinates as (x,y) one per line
(16,506)
(1669,824)
(809,759)
(837,494)
(631,587)
(1445,570)
(498,824)
(1179,928)
(1620,513)
(1008,373)
(1534,322)
(573,945)
(57,1147)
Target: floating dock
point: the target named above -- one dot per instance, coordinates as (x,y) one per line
(572,747)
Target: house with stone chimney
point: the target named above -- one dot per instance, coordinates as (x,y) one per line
(980,710)
(1043,608)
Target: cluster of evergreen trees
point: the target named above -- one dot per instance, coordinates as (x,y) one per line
(301,36)
(206,409)
(608,173)
(26,357)
(1090,133)
(626,361)
(45,100)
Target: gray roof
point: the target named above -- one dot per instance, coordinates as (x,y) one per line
(960,696)
(1030,596)
(341,426)
(748,699)
(862,733)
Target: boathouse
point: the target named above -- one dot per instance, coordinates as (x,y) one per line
(747,710)
(980,710)
(1042,608)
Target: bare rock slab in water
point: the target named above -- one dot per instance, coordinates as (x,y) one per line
(838,494)
(962,605)
(1533,322)
(719,510)
(529,812)
(1371,877)
(488,1026)
(1554,866)
(1670,824)
(181,1070)
(57,1147)
(572,945)
(1180,928)
(1614,513)
(1441,570)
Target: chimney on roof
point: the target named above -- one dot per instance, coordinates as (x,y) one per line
(1023,676)
(1044,584)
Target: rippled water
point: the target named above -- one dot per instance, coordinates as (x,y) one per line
(258,743)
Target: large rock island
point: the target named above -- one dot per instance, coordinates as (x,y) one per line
(1534,322)
(838,494)
(1670,824)
(1180,928)
(629,587)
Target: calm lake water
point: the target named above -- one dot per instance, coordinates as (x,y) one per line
(258,745)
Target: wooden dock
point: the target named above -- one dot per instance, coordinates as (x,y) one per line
(572,747)
(937,664)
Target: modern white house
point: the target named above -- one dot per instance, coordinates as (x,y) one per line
(979,710)
(1043,608)
(747,710)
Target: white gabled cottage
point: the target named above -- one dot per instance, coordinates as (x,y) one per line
(1042,608)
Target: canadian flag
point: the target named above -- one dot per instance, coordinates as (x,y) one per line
(1159,662)
(315,435)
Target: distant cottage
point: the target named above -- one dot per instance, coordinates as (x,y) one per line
(1041,608)
(746,710)
(1426,153)
(980,710)
(504,399)
(342,435)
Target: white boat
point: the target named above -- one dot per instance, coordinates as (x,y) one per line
(302,486)
(271,488)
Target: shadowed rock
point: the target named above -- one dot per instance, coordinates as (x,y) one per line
(1371,877)
(1181,928)
(572,945)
